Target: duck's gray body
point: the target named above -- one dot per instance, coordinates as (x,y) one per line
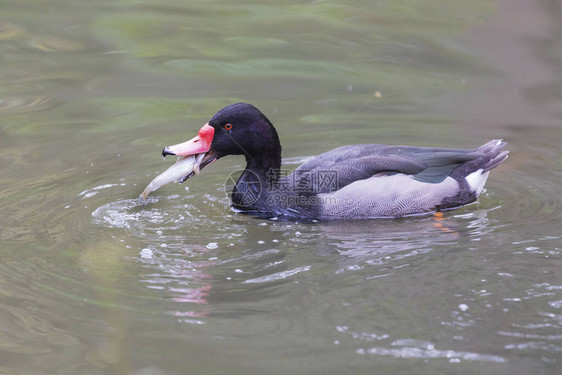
(378,181)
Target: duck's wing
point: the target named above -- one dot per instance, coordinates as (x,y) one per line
(342,166)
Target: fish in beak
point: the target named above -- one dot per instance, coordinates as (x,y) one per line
(193,156)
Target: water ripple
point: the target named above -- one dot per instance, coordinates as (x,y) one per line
(429,352)
(277,276)
(10,105)
(157,213)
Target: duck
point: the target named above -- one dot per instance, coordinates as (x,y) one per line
(362,181)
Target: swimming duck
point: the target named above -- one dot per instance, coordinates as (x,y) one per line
(349,182)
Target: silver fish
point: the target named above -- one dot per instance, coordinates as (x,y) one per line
(182,168)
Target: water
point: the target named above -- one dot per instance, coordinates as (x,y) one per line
(93,282)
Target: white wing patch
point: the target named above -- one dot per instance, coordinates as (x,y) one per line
(476,181)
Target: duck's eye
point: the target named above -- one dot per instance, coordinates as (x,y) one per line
(228,126)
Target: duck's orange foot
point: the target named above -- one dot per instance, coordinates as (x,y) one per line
(440,224)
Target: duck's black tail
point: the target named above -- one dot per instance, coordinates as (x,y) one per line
(472,175)
(484,158)
(492,155)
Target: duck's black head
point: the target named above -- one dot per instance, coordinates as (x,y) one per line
(238,129)
(241,129)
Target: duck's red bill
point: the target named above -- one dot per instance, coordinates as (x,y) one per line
(194,155)
(201,143)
